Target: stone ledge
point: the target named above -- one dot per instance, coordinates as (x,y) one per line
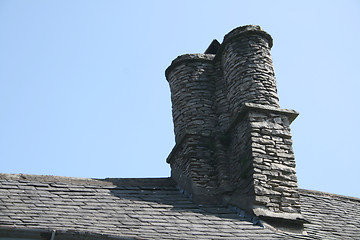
(283,222)
(246,107)
(264,213)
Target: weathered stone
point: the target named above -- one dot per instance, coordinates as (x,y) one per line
(281,133)
(264,141)
(258,146)
(271,173)
(283,168)
(264,191)
(288,209)
(258,160)
(260,177)
(282,189)
(268,125)
(262,199)
(285,155)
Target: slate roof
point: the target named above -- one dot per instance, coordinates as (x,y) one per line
(151,208)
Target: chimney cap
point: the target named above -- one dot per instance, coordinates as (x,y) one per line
(246,30)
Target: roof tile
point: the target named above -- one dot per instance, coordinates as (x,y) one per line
(152,209)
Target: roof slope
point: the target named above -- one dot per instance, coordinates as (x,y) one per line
(332,216)
(149,209)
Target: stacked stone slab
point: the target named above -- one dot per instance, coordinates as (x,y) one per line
(233,141)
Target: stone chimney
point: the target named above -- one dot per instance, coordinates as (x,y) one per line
(233,141)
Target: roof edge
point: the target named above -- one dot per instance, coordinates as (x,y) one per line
(41,233)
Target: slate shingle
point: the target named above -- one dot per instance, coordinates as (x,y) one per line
(152,209)
(331,216)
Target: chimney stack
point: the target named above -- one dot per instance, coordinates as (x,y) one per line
(233,141)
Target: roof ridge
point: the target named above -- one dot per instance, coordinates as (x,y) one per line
(316,192)
(112,182)
(20,176)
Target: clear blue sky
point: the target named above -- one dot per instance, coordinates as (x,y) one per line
(83,91)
